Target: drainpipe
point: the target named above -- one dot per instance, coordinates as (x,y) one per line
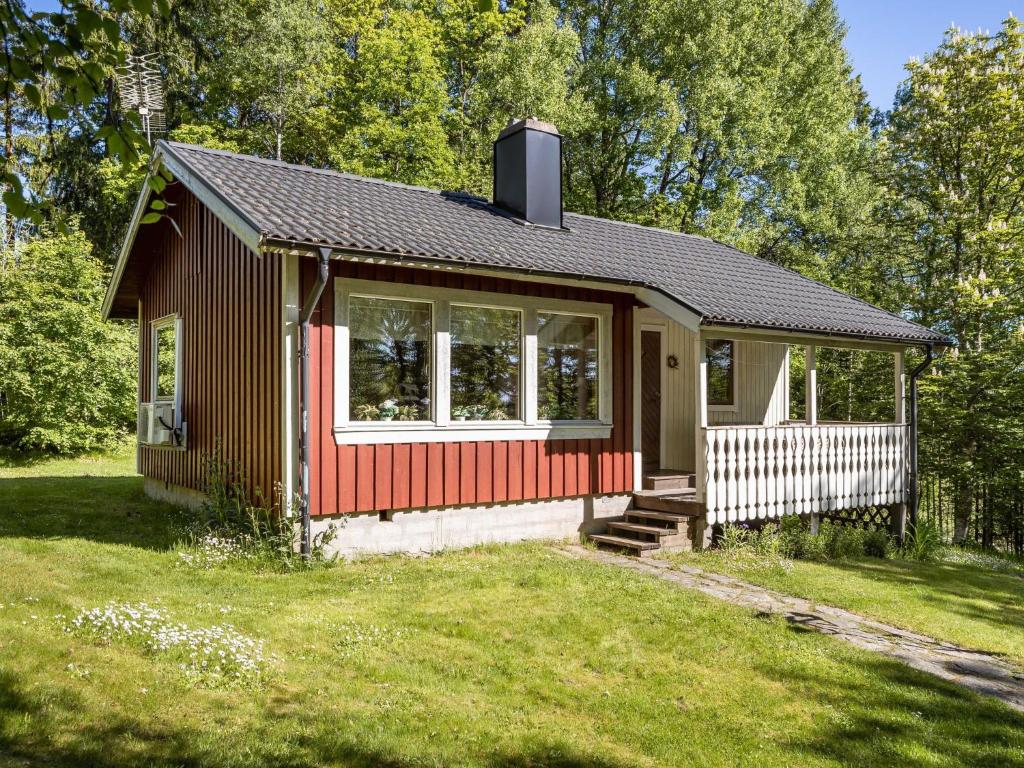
(928,357)
(312,299)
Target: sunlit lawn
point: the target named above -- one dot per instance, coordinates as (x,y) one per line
(976,608)
(499,656)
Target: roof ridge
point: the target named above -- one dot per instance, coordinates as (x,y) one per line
(321,171)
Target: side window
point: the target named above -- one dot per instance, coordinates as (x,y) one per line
(166,352)
(721,372)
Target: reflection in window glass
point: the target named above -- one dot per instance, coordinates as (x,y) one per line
(720,372)
(567,367)
(165,353)
(389,359)
(486,349)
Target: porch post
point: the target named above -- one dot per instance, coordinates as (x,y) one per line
(811,404)
(701,421)
(898,512)
(811,386)
(900,381)
(701,529)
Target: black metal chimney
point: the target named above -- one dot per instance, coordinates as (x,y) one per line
(528,171)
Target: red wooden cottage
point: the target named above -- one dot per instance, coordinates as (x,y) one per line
(485,370)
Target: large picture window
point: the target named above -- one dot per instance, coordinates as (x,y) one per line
(721,357)
(567,367)
(422,364)
(486,350)
(389,359)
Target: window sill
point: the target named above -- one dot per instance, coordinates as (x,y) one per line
(459,432)
(723,408)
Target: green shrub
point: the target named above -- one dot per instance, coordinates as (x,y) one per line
(239,528)
(877,543)
(67,379)
(841,542)
(923,542)
(791,538)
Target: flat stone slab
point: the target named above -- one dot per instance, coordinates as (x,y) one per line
(980,672)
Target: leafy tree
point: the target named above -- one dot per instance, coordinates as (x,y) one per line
(522,74)
(394,101)
(955,142)
(56,63)
(273,68)
(67,379)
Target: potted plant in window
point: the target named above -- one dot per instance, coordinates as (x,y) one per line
(407,413)
(460,412)
(388,410)
(367,412)
(477,412)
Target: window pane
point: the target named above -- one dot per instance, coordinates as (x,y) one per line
(720,372)
(165,339)
(389,359)
(566,367)
(485,356)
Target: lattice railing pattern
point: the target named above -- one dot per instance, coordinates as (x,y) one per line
(754,473)
(862,517)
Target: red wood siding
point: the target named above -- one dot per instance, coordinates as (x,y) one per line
(410,475)
(229,300)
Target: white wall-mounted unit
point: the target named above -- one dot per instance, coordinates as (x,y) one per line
(157,425)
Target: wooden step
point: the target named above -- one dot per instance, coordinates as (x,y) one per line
(636,546)
(669,479)
(679,503)
(639,528)
(650,515)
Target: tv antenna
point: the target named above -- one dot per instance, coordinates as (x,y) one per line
(139,82)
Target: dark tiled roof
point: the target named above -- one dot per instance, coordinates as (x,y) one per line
(720,283)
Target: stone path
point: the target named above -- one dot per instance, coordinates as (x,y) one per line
(980,672)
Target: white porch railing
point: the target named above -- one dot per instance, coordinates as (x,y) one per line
(755,473)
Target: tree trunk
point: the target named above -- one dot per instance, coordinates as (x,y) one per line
(961,511)
(8,163)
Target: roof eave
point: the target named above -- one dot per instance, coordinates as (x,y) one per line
(652,295)
(864,339)
(141,204)
(234,218)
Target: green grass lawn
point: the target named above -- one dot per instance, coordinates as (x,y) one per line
(497,656)
(973,607)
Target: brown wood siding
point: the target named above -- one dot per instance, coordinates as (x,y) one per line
(363,478)
(230,302)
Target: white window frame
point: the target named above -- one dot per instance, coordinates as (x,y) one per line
(521,420)
(433,350)
(603,414)
(443,428)
(168,321)
(734,406)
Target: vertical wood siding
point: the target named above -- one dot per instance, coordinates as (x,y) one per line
(229,300)
(350,478)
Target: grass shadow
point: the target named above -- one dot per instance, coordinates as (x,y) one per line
(963,590)
(107,509)
(889,714)
(119,740)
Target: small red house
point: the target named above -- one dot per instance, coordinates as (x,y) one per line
(481,370)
